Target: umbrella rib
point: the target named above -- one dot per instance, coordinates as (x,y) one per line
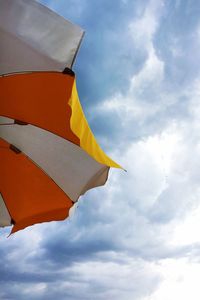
(3,124)
(18,122)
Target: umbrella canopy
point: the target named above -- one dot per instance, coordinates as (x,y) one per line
(34,38)
(48,154)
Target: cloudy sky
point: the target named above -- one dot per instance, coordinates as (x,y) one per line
(137,238)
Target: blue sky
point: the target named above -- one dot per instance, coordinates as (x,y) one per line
(137,238)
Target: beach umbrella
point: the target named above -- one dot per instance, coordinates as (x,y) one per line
(48,154)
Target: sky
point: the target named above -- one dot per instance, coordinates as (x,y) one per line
(136,238)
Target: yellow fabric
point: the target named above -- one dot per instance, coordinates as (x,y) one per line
(81,129)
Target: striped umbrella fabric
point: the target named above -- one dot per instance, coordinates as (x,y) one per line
(48,154)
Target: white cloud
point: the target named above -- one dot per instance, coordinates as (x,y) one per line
(116,281)
(145,96)
(151,74)
(180,281)
(144,27)
(187,231)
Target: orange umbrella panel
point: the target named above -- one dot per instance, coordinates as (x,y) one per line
(40,99)
(29,194)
